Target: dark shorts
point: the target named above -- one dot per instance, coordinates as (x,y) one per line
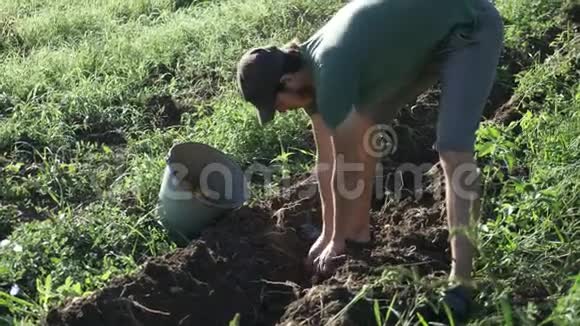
(465,64)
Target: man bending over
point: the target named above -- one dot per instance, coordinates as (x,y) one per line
(370,58)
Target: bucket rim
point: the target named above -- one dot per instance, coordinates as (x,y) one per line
(236,169)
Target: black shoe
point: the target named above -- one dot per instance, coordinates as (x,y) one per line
(456,299)
(459,301)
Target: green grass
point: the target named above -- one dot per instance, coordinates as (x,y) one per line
(532,222)
(82,211)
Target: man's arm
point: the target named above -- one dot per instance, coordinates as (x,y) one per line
(323,172)
(351,189)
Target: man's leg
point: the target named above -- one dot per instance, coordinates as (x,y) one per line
(352,179)
(462,191)
(358,224)
(467,75)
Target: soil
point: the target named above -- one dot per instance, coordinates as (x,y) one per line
(165,110)
(250,263)
(108,137)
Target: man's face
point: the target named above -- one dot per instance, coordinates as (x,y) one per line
(294,94)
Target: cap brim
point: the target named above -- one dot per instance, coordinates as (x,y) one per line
(266,112)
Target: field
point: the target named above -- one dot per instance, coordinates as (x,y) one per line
(94,93)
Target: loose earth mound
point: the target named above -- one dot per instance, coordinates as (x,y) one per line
(244,265)
(251,263)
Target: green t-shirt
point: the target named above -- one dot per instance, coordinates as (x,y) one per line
(372,48)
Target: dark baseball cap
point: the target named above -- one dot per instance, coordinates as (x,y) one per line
(259,73)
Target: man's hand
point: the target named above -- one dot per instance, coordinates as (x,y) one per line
(330,258)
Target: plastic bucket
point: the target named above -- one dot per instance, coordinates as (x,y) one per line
(199,185)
